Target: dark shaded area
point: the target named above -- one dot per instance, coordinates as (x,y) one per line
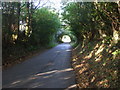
(34,88)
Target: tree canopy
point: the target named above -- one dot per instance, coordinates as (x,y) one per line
(88,19)
(26,27)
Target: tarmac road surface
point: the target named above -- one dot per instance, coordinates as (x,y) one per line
(51,69)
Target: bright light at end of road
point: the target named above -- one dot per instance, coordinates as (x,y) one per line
(66,38)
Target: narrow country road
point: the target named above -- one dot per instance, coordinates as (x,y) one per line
(51,69)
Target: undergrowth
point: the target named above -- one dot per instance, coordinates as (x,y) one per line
(96,65)
(18,54)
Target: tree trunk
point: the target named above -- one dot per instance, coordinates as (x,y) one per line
(18,23)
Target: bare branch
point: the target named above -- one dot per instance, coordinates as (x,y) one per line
(43,4)
(38,4)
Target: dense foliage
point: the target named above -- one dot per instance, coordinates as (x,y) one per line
(90,20)
(93,26)
(25,28)
(96,58)
(46,24)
